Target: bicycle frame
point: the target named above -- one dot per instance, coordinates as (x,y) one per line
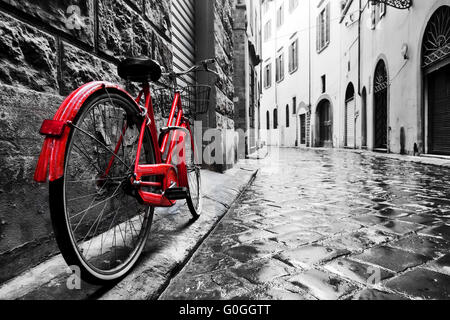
(57,132)
(170,175)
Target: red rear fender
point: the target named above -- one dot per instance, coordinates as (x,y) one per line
(51,161)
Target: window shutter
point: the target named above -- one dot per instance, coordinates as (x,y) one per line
(382,9)
(372,16)
(183,35)
(270,74)
(276,69)
(327,40)
(290,58)
(318,33)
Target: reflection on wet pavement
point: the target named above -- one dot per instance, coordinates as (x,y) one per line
(321,224)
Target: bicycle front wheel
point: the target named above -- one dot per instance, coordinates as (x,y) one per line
(99,222)
(194,197)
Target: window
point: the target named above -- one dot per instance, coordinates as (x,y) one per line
(251,17)
(280,16)
(377,12)
(255,32)
(279,72)
(292,5)
(293,56)
(294,105)
(382,9)
(323,29)
(275,118)
(268,76)
(287,116)
(267,30)
(324,83)
(372,11)
(268,119)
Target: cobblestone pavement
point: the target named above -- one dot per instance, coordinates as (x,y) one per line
(329,225)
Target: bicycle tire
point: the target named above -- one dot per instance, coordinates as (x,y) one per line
(194,198)
(95,269)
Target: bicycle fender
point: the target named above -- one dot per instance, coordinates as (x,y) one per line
(51,160)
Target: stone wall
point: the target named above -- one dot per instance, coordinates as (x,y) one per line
(223,44)
(42,59)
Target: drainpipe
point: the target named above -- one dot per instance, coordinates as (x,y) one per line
(359,71)
(359,48)
(261,69)
(311,138)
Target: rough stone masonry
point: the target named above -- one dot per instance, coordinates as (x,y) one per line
(42,59)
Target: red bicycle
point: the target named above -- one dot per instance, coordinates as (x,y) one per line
(108,168)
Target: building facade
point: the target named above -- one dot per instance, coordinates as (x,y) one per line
(375,76)
(283,72)
(300,80)
(405,77)
(49,48)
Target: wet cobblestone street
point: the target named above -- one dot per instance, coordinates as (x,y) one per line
(328,224)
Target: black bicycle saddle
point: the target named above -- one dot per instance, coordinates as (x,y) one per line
(139,69)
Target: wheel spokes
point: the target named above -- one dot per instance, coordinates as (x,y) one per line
(106,221)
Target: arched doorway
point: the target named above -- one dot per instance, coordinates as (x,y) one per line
(380,91)
(364,118)
(325,124)
(436,67)
(350,107)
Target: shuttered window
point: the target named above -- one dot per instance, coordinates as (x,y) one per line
(267,30)
(323,29)
(279,70)
(268,76)
(292,5)
(275,118)
(293,56)
(280,16)
(183,37)
(287,116)
(294,105)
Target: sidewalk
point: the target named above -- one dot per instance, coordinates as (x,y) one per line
(440,161)
(173,240)
(259,154)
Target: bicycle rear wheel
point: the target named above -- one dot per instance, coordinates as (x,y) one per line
(99,222)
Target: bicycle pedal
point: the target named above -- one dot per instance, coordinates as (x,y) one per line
(178,193)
